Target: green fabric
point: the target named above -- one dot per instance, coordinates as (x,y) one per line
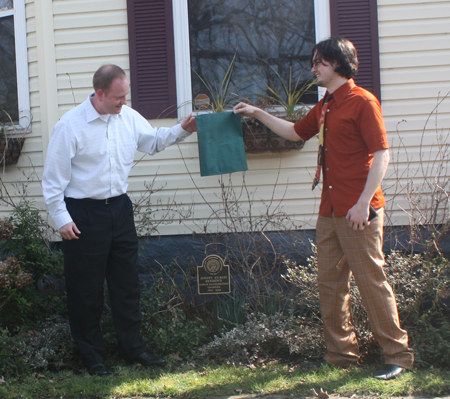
(220,143)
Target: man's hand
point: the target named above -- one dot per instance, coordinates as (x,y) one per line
(189,124)
(280,126)
(358,216)
(245,110)
(69,231)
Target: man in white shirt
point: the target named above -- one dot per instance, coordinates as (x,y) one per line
(89,158)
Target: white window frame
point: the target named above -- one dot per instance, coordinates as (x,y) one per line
(20,37)
(183,58)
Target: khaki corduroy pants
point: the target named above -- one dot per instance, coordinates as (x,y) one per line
(342,252)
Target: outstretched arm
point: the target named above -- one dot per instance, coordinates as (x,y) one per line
(281,127)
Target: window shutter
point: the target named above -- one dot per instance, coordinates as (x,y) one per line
(357,21)
(152,58)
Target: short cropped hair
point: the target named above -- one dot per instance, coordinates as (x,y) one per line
(105,75)
(338,50)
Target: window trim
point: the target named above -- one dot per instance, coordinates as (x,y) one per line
(20,37)
(182,53)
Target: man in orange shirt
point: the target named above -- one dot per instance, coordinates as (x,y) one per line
(353,157)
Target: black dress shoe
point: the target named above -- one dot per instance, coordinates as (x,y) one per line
(388,372)
(98,369)
(148,360)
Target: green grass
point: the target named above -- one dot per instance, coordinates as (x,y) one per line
(207,382)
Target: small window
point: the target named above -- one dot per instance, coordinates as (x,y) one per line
(14,94)
(8,83)
(271,39)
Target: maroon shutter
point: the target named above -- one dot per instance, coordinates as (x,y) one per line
(152,58)
(357,21)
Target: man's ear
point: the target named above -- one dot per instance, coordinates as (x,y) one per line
(100,93)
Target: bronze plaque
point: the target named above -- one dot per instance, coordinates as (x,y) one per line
(213,276)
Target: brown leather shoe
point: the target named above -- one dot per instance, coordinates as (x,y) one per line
(388,372)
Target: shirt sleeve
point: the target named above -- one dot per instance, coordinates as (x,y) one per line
(152,140)
(57,172)
(371,126)
(308,127)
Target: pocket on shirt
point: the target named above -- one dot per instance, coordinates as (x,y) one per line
(127,151)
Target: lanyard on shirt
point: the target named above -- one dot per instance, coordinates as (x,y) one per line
(320,154)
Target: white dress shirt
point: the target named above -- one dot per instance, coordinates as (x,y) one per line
(90,155)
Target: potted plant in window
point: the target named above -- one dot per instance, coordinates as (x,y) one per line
(221,98)
(287,105)
(221,149)
(11,141)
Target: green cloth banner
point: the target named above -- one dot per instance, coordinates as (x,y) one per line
(220,143)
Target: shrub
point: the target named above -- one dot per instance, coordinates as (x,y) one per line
(262,338)
(422,290)
(10,365)
(48,346)
(31,274)
(171,322)
(29,243)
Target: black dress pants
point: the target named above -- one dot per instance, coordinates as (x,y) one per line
(107,248)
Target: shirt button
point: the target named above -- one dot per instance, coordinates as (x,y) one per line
(328,168)
(328,110)
(330,187)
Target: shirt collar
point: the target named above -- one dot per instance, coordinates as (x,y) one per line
(340,93)
(91,112)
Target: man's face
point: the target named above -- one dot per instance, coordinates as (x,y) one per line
(112,101)
(324,71)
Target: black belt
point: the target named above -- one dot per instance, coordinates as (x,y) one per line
(105,201)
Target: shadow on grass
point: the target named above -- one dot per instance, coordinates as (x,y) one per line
(209,382)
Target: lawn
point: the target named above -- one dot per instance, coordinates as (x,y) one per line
(194,381)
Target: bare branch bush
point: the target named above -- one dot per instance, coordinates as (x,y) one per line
(425,185)
(17,197)
(249,240)
(149,214)
(246,242)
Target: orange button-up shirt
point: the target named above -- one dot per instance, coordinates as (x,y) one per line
(354,130)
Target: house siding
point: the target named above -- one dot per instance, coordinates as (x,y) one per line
(415,66)
(414,58)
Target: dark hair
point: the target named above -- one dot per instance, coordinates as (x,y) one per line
(105,75)
(341,51)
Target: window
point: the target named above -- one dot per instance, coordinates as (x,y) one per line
(158,33)
(270,42)
(160,44)
(14,93)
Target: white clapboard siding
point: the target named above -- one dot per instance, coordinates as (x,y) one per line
(414,57)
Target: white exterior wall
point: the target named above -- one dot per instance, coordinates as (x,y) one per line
(415,75)
(68,40)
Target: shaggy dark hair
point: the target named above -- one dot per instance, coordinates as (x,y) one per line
(105,75)
(338,50)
